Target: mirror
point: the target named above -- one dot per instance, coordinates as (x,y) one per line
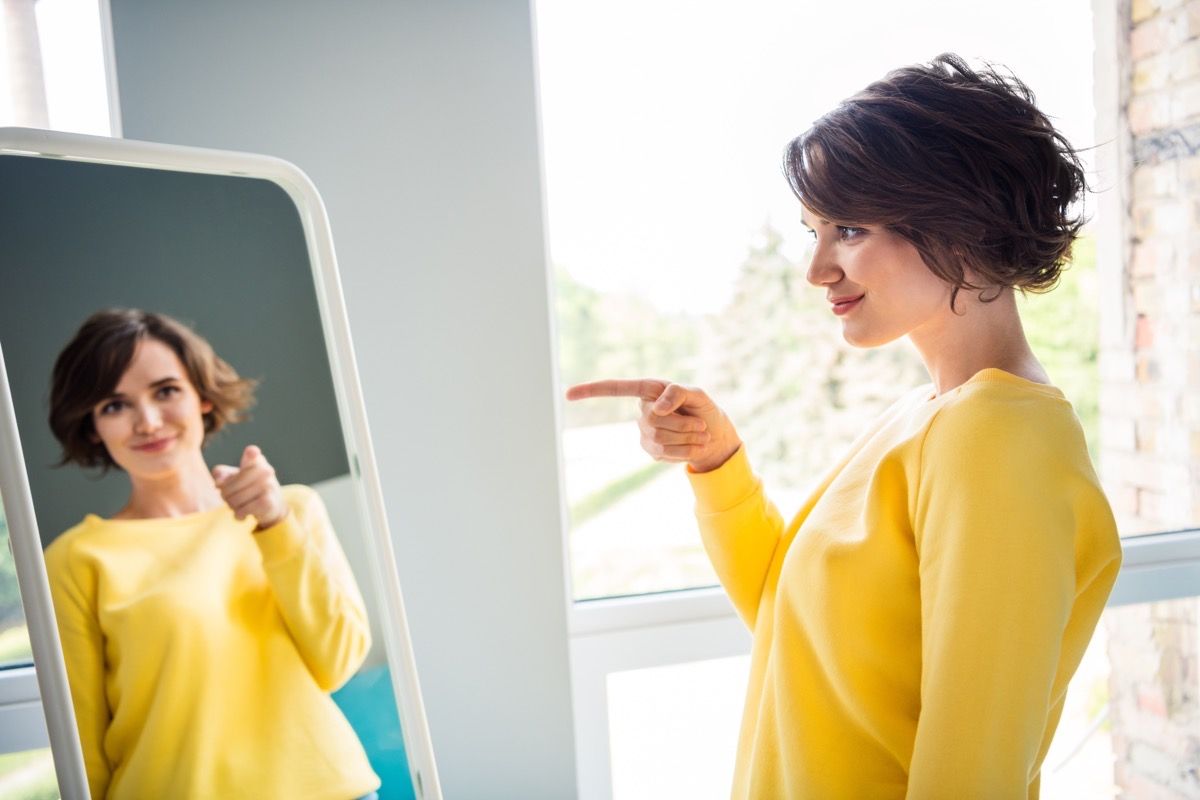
(236,247)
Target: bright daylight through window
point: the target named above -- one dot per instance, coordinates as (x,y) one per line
(677,254)
(52,76)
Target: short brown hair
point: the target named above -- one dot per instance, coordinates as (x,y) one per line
(959,162)
(91,365)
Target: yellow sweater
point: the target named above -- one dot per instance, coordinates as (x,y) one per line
(916,624)
(200,656)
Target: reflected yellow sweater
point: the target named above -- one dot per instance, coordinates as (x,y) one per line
(200,655)
(916,624)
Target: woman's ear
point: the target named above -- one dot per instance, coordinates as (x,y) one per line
(206,406)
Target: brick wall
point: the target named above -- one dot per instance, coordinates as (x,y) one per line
(1150,382)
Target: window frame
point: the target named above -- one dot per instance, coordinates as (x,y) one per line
(22,721)
(676,628)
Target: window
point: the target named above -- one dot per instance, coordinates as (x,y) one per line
(677,254)
(52,75)
(28,775)
(14,639)
(52,69)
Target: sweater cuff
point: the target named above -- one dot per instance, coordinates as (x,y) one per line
(282,540)
(724,487)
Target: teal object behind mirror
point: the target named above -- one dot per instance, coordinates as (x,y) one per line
(368,702)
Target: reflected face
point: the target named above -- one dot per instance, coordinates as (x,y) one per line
(875,281)
(153,421)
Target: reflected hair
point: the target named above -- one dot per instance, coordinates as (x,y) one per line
(89,368)
(959,162)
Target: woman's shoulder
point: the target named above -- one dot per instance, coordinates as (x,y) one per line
(59,551)
(999,397)
(1002,416)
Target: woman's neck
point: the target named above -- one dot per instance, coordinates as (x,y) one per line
(186,490)
(956,347)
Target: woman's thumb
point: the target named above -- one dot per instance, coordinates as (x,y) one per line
(250,454)
(671,398)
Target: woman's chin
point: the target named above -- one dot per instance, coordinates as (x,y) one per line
(156,467)
(854,337)
(857,337)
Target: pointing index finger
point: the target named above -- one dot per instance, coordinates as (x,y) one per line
(646,389)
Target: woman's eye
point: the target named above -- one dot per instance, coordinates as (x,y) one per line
(112,407)
(166,391)
(844,232)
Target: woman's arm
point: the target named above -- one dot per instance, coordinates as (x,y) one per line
(1017,553)
(315,589)
(740,529)
(74,598)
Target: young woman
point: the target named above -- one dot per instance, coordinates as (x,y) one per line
(205,623)
(918,620)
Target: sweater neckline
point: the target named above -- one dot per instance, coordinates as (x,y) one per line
(997,375)
(182,519)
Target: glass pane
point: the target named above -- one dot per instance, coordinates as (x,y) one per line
(1070,353)
(664,743)
(52,72)
(1079,763)
(678,251)
(1131,727)
(1150,401)
(73,66)
(14,638)
(28,776)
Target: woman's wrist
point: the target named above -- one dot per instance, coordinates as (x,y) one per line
(262,526)
(710,464)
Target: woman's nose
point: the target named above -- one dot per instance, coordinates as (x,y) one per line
(148,419)
(822,269)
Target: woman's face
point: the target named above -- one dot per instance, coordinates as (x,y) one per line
(897,294)
(153,420)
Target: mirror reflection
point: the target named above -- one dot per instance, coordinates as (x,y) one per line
(189,471)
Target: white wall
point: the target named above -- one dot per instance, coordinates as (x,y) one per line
(416,121)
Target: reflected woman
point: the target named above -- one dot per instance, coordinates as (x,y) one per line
(917,619)
(205,623)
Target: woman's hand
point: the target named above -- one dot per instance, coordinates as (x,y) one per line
(251,489)
(678,423)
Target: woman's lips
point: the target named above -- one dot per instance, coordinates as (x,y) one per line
(154,447)
(846,307)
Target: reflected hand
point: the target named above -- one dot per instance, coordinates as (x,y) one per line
(251,489)
(678,423)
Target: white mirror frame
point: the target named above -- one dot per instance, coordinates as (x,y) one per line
(18,502)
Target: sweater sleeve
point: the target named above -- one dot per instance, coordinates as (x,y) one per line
(1015,554)
(82,641)
(740,529)
(315,589)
